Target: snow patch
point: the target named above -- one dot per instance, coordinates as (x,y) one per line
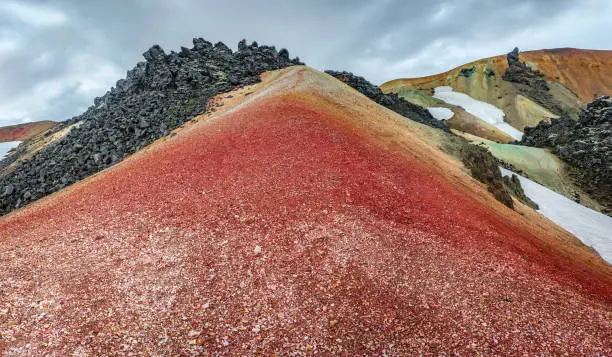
(440,113)
(484,111)
(591,227)
(6,147)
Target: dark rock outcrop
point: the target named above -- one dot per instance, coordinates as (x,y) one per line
(157,96)
(585,144)
(467,72)
(484,167)
(519,72)
(530,83)
(391,100)
(547,134)
(513,184)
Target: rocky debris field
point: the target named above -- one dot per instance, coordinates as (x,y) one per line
(585,144)
(391,100)
(158,95)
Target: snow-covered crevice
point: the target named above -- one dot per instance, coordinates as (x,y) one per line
(592,228)
(440,113)
(484,111)
(6,147)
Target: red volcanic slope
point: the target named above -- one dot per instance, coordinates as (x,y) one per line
(279,228)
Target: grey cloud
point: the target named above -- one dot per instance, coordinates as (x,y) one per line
(59,66)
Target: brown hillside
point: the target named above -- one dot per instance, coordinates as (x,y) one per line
(586,72)
(23,132)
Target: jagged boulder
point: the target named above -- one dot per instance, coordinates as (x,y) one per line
(391,100)
(519,72)
(201,45)
(531,83)
(157,96)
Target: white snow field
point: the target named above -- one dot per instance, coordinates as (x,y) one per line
(592,228)
(485,111)
(6,147)
(440,113)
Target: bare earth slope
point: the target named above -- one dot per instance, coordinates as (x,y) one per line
(25,131)
(588,73)
(299,218)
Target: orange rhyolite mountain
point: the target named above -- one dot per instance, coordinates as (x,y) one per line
(588,73)
(300,218)
(21,132)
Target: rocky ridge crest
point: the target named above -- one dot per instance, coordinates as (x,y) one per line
(157,96)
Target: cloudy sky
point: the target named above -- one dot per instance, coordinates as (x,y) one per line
(57,55)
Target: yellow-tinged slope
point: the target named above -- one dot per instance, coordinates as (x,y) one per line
(585,72)
(574,76)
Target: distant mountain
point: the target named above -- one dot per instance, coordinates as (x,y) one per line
(587,73)
(575,77)
(21,132)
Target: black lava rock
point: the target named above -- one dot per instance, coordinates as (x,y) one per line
(547,134)
(585,144)
(157,96)
(391,100)
(519,72)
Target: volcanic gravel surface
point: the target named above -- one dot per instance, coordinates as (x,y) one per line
(280,228)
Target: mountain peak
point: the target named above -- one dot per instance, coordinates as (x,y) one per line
(297,208)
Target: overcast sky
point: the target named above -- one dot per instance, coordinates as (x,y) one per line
(56,56)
